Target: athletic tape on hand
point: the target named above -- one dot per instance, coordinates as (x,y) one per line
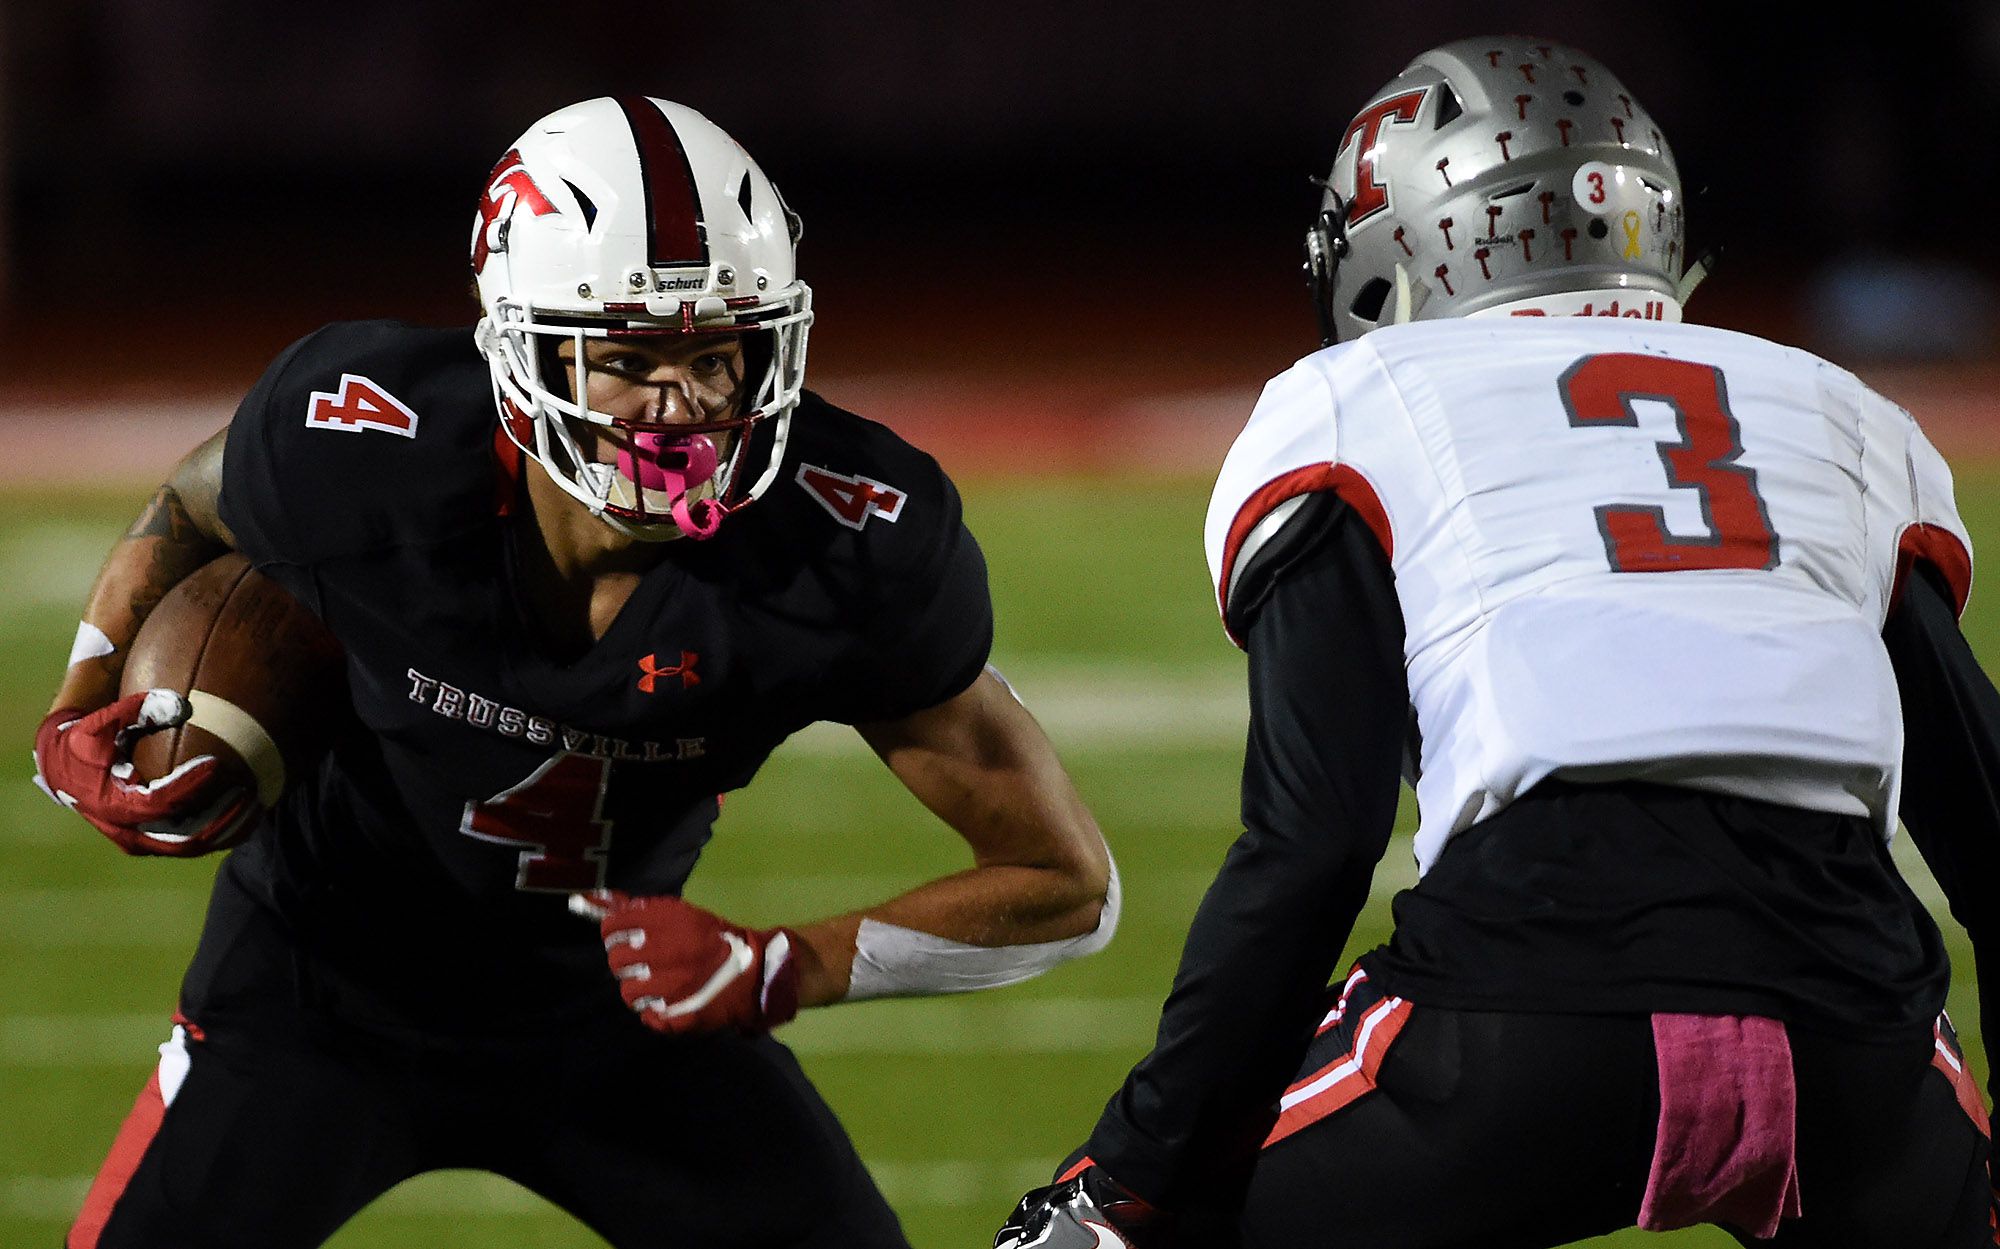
(91,643)
(246,737)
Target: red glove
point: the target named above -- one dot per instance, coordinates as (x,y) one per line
(682,969)
(84,762)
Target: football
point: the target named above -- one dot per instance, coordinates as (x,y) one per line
(264,677)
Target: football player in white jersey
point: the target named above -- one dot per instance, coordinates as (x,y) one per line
(1660,621)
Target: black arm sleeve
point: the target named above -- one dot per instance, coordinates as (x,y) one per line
(1951,772)
(1328,699)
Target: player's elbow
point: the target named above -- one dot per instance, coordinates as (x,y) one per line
(1094,916)
(1087,882)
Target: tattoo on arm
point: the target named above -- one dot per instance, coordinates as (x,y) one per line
(178,532)
(160,549)
(169,562)
(196,486)
(177,547)
(165,517)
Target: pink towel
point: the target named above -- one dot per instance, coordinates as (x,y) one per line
(1726,1150)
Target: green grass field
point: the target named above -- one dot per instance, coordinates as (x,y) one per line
(1106,628)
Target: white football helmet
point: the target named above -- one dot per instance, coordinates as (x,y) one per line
(633,217)
(1498,173)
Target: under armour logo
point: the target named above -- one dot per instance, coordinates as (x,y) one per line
(650,671)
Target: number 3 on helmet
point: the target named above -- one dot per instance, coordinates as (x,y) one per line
(637,218)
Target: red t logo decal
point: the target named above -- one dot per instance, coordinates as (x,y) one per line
(1370,196)
(507,186)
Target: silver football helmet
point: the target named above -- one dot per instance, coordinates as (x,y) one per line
(1493,173)
(637,218)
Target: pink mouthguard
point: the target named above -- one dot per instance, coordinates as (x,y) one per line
(674,466)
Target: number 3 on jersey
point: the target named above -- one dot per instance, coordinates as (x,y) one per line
(1600,390)
(557,817)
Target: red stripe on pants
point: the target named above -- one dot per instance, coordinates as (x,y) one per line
(1380,1027)
(139,1129)
(1082,1164)
(1953,1066)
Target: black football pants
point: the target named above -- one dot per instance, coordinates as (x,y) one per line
(272,1141)
(1511,1131)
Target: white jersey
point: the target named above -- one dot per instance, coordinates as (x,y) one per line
(1622,550)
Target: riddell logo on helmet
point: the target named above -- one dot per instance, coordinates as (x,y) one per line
(1654,310)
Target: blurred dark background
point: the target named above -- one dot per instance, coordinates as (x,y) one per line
(1041,183)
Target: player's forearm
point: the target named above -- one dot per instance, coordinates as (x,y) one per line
(1327,706)
(1041,889)
(1951,771)
(994,906)
(1951,753)
(162,547)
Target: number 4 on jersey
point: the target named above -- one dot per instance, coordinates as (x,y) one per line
(360,405)
(557,817)
(852,500)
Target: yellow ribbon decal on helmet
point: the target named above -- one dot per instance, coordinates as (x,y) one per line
(1631,224)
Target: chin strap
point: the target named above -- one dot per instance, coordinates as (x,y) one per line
(1695,275)
(1405,303)
(1326,244)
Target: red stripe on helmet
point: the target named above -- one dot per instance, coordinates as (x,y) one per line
(673,208)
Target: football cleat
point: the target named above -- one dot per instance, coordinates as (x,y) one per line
(1061,1216)
(1089,1210)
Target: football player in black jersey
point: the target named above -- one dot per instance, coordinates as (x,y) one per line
(459,942)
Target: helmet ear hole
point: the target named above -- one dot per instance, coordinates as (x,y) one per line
(1450,109)
(584,204)
(1369,299)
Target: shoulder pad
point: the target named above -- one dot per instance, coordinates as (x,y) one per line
(365,434)
(863,483)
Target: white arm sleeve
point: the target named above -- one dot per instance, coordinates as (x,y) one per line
(893,961)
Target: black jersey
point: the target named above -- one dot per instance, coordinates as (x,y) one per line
(487,780)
